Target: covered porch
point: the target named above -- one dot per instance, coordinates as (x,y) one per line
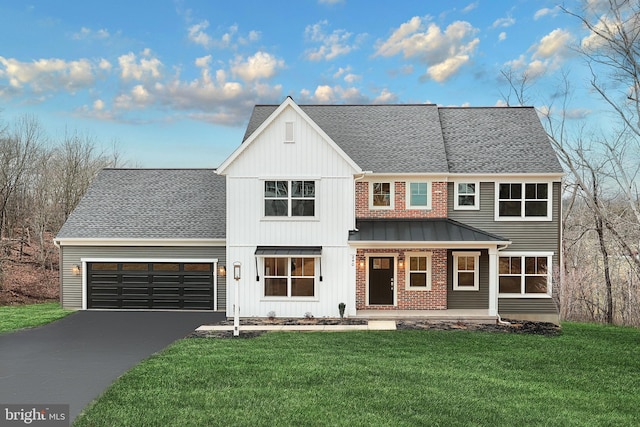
(436,269)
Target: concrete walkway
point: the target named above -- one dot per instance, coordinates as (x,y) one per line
(372,325)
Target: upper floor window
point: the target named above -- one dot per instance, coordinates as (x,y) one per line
(381,195)
(465,271)
(525,274)
(289,198)
(524,201)
(466,196)
(418,195)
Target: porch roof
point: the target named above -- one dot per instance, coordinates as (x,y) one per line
(440,230)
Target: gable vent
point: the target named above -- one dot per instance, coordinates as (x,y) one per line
(288,132)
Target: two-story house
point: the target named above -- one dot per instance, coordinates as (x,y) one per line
(396,209)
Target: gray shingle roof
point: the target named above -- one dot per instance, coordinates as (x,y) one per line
(379,138)
(497,140)
(430,139)
(151,204)
(419,230)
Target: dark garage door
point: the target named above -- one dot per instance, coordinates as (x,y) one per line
(150,285)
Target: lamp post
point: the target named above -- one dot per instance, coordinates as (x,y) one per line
(237,266)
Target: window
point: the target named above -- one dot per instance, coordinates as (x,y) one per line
(419,195)
(525,274)
(289,277)
(418,271)
(466,196)
(524,200)
(289,198)
(381,195)
(465,271)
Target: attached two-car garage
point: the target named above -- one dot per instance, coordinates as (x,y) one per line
(149,285)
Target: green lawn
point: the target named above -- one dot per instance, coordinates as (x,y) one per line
(588,376)
(15,317)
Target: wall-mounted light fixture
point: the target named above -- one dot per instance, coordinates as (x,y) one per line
(361,263)
(401,262)
(76,269)
(222,270)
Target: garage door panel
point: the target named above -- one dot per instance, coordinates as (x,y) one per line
(160,286)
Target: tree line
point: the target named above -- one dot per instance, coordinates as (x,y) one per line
(41,182)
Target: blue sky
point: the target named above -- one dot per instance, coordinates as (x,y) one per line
(174,82)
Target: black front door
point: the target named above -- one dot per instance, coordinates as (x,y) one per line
(381,286)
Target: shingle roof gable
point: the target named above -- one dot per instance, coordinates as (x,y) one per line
(425,138)
(150,204)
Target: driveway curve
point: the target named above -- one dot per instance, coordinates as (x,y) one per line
(73,360)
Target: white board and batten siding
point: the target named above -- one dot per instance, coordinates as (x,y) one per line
(309,157)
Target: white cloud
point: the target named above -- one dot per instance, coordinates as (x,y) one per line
(470,7)
(331,45)
(87,33)
(444,52)
(133,69)
(324,94)
(545,11)
(503,22)
(262,65)
(548,55)
(98,105)
(45,75)
(555,43)
(198,36)
(502,36)
(330,1)
(386,97)
(229,39)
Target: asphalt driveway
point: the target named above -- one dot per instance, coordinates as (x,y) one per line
(71,361)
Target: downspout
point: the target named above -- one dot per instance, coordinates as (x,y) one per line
(500,321)
(56,243)
(355,199)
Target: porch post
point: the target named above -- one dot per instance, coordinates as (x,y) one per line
(493,281)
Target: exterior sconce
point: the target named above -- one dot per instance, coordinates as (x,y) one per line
(236,270)
(222,270)
(401,262)
(361,263)
(75,270)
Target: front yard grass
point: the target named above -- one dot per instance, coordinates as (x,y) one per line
(587,376)
(15,317)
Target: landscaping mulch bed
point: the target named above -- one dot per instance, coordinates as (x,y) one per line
(514,326)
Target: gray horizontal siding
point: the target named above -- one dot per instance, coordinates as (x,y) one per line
(526,305)
(71,292)
(525,235)
(469,299)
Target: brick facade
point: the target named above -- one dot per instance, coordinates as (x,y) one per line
(438,202)
(406,299)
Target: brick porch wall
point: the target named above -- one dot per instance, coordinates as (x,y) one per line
(434,299)
(438,202)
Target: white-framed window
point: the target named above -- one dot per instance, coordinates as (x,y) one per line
(524,274)
(529,201)
(381,195)
(418,270)
(466,195)
(418,195)
(295,198)
(288,277)
(466,271)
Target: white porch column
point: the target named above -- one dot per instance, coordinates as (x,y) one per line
(493,281)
